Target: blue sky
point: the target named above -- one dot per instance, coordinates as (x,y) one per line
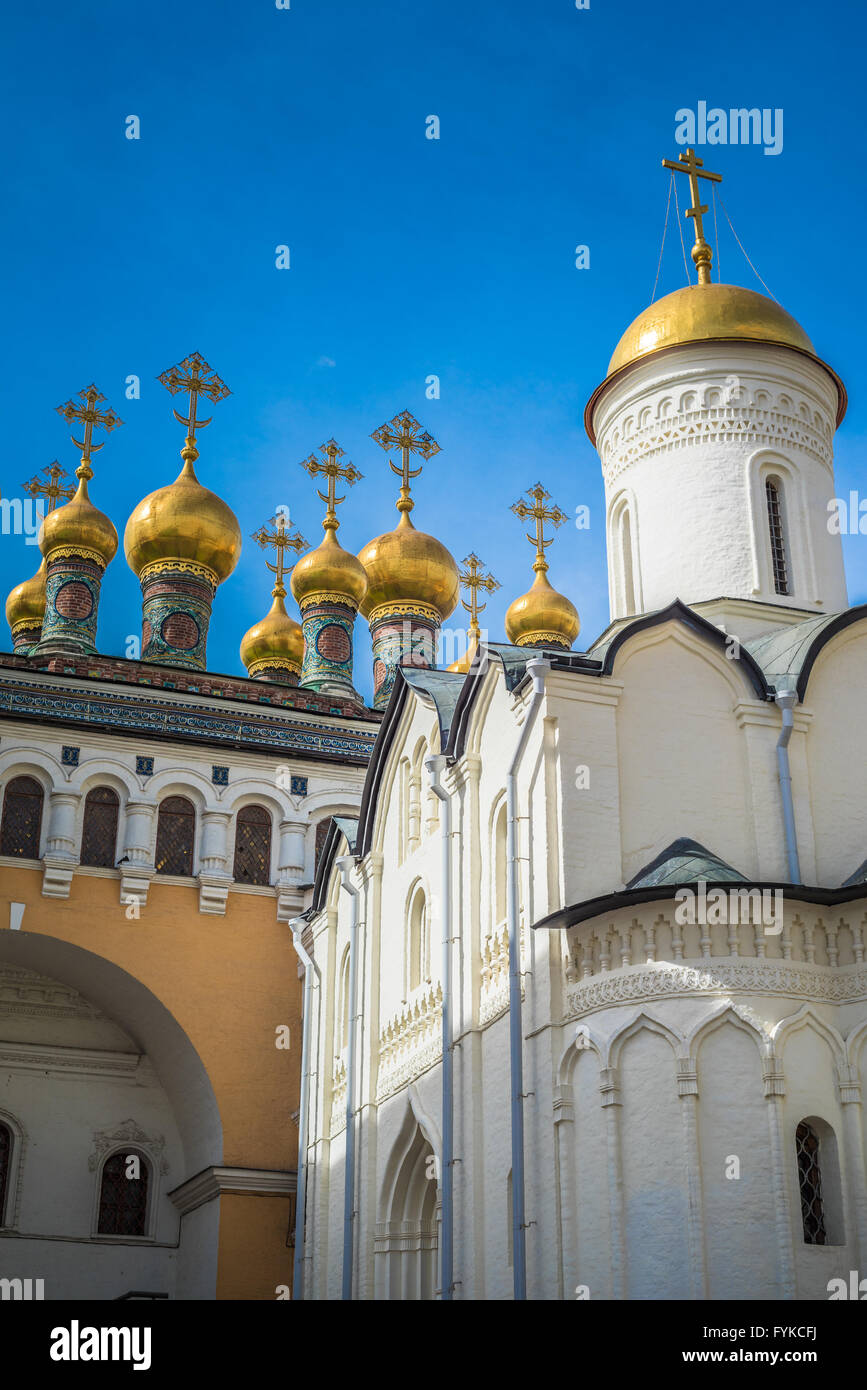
(409,257)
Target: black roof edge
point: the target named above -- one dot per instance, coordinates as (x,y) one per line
(842,621)
(393,712)
(611,902)
(336,832)
(678,611)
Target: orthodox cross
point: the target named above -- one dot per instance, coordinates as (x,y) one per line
(89,413)
(405,433)
(688,164)
(282,540)
(196,376)
(330,466)
(540,514)
(473,579)
(49,485)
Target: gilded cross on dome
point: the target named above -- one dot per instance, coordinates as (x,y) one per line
(687,163)
(197,377)
(473,579)
(405,433)
(330,466)
(87,411)
(50,485)
(540,514)
(273,532)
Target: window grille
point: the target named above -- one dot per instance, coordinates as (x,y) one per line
(321,837)
(810,1180)
(22,818)
(5,1161)
(99,832)
(778,545)
(253,846)
(176,829)
(123,1201)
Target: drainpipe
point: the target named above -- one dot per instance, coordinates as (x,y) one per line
(298,924)
(786,701)
(435,767)
(346,864)
(535,668)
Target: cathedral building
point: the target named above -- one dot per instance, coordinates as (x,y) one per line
(159,831)
(586,978)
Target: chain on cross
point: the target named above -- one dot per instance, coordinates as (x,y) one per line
(331,468)
(87,410)
(197,377)
(50,485)
(473,579)
(282,540)
(540,514)
(405,433)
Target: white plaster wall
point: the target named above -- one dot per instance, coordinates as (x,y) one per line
(682,435)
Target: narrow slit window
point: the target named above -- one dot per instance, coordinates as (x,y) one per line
(810,1181)
(779,561)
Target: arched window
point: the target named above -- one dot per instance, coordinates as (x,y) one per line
(5,1167)
(176,830)
(123,1194)
(321,837)
(343,1030)
(779,561)
(99,832)
(419,942)
(499,884)
(819,1181)
(22,818)
(253,845)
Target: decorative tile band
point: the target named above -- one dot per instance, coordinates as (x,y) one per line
(400,641)
(176,611)
(137,714)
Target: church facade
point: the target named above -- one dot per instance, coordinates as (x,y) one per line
(588,984)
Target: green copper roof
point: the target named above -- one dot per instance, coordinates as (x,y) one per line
(782,651)
(685,861)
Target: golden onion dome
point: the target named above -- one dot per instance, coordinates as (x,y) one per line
(275,642)
(26,603)
(79,527)
(329,569)
(542,617)
(183,521)
(408,566)
(704,313)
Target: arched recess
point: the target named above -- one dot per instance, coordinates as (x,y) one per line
(169,1058)
(408,1239)
(624,576)
(140,1013)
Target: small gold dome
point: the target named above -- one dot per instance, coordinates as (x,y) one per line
(542,617)
(700,313)
(329,569)
(183,521)
(26,603)
(79,526)
(407,566)
(463,663)
(275,641)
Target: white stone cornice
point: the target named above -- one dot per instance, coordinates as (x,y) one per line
(69,1061)
(214,1181)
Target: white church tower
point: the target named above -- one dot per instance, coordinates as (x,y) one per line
(714,427)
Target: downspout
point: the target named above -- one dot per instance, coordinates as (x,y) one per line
(786,701)
(346,864)
(435,767)
(535,668)
(298,924)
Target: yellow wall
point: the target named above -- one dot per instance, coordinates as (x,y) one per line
(229,982)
